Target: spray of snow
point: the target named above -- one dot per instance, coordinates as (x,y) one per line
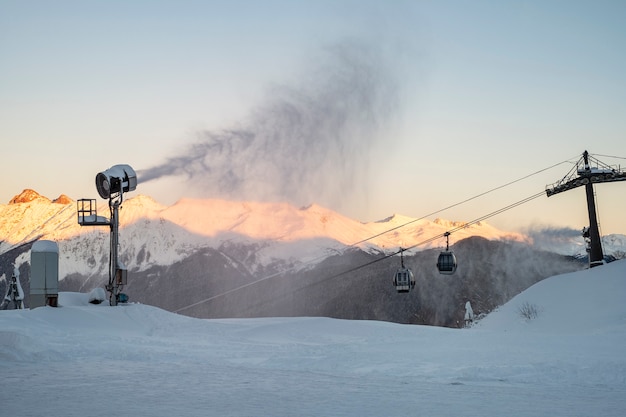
(304,143)
(568,240)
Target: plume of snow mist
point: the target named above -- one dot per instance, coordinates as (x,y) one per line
(302,144)
(563,240)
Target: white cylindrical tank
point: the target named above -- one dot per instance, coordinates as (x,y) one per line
(44,274)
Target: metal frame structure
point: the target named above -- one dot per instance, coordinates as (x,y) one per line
(587,176)
(111,184)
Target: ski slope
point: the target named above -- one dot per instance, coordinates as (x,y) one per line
(86,360)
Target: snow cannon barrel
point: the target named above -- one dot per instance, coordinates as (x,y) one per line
(44,274)
(117,179)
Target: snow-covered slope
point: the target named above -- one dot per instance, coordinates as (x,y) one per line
(134,359)
(568,303)
(153,234)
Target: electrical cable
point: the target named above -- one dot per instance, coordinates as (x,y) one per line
(609,156)
(396,228)
(433,238)
(230,291)
(456,229)
(439,236)
(461,202)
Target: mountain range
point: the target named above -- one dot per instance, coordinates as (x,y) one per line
(218,258)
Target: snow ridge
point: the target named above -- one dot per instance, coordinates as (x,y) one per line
(154,234)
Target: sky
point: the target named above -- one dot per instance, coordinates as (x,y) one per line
(369,108)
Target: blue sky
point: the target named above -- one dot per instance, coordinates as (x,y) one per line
(476,94)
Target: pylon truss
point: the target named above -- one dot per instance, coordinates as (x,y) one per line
(586,174)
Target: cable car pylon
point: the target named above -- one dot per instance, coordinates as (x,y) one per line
(587,176)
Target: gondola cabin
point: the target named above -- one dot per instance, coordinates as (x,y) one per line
(446,263)
(404,280)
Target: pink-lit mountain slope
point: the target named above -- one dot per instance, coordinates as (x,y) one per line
(154,234)
(166,233)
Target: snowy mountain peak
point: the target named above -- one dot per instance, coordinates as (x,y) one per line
(62,199)
(452,224)
(138,207)
(397,219)
(27,196)
(154,234)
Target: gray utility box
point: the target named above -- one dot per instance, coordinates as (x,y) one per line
(44,274)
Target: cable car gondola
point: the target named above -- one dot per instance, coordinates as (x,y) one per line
(446,263)
(403,279)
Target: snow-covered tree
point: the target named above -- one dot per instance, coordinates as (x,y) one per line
(469,314)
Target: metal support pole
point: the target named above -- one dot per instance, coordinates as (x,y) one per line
(113,286)
(596,257)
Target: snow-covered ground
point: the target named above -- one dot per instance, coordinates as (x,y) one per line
(86,360)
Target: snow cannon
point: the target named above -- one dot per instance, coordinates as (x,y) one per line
(111,184)
(117,179)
